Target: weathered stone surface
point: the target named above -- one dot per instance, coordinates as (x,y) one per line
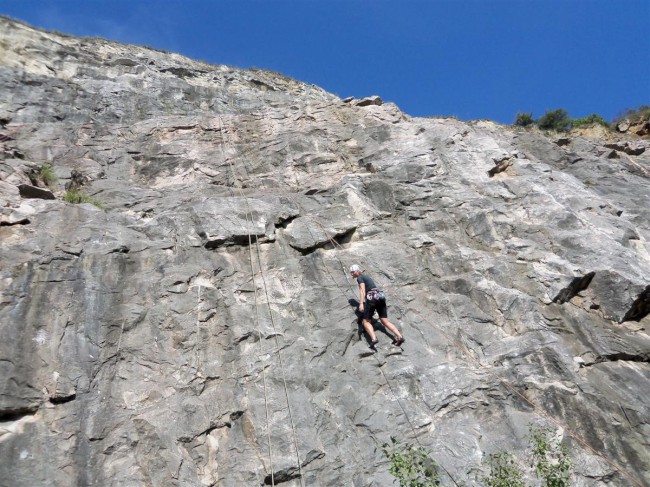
(633,148)
(231,220)
(638,127)
(623,125)
(29,191)
(367,101)
(642,129)
(147,343)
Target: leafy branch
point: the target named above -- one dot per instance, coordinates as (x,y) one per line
(548,459)
(411,466)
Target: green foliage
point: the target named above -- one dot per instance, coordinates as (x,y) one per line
(46,174)
(77,197)
(593,119)
(524,119)
(555,120)
(411,466)
(560,121)
(503,472)
(550,458)
(549,462)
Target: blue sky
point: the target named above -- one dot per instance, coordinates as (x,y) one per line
(465,58)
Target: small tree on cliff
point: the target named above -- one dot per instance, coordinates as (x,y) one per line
(555,120)
(524,119)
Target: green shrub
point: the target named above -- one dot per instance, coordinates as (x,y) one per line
(524,119)
(555,120)
(503,472)
(550,458)
(593,119)
(411,466)
(77,197)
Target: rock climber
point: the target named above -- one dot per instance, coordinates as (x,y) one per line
(371,299)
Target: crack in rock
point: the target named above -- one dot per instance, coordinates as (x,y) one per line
(291,473)
(16,414)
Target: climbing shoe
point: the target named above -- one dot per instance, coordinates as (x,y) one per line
(399,341)
(374,343)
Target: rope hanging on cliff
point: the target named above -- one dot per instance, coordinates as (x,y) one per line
(379,364)
(259,331)
(538,409)
(259,260)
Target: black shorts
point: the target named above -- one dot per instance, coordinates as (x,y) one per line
(370,307)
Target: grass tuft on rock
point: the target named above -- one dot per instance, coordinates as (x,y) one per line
(46,174)
(77,197)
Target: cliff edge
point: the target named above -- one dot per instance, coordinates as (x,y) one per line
(192,322)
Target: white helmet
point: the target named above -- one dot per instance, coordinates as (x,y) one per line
(355,268)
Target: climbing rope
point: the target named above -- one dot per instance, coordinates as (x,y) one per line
(343,293)
(335,245)
(284,380)
(257,322)
(415,435)
(277,346)
(259,339)
(538,409)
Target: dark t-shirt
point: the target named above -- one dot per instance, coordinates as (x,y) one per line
(367,280)
(372,305)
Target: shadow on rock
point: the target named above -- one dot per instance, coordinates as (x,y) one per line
(376,324)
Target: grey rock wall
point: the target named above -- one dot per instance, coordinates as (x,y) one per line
(199,328)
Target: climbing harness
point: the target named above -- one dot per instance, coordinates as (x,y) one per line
(375,295)
(538,410)
(379,295)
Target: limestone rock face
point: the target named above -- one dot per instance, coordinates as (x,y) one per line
(637,127)
(199,328)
